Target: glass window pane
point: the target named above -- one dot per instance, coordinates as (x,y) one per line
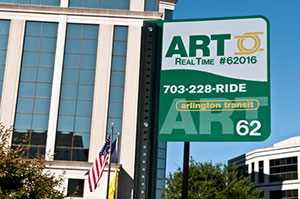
(32,43)
(67,107)
(71,61)
(81,140)
(30,58)
(118,63)
(18,136)
(70,76)
(88,61)
(76,3)
(116,94)
(62,154)
(48,44)
(53,3)
(45,75)
(107,4)
(91,4)
(83,124)
(2,57)
(86,77)
(68,91)
(37,2)
(74,30)
(42,106)
(38,138)
(89,46)
(80,155)
(40,122)
(25,105)
(120,33)
(84,108)
(115,109)
(122,4)
(3,42)
(50,29)
(43,90)
(151,5)
(4,26)
(117,125)
(26,89)
(120,48)
(85,92)
(72,46)
(28,74)
(64,139)
(33,28)
(90,31)
(1,73)
(23,121)
(75,188)
(117,78)
(65,123)
(47,59)
(34,151)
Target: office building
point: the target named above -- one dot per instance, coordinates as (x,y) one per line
(274,170)
(70,68)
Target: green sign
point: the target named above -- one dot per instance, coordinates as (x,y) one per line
(214,80)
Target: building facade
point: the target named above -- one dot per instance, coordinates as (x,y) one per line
(69,69)
(274,170)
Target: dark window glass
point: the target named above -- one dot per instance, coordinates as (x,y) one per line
(252,172)
(77,91)
(117,79)
(35,86)
(4,32)
(283,169)
(168,14)
(285,194)
(33,2)
(151,5)
(75,188)
(105,4)
(261,172)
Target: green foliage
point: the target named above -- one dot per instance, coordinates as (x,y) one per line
(207,181)
(22,178)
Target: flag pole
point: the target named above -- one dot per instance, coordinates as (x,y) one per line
(117,157)
(109,165)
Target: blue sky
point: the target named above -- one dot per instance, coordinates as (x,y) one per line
(284,19)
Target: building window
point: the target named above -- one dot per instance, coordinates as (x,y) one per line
(261,177)
(75,188)
(33,2)
(243,170)
(252,172)
(283,169)
(4,32)
(117,79)
(35,86)
(286,194)
(168,14)
(77,91)
(151,5)
(104,4)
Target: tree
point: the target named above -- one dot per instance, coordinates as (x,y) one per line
(208,181)
(22,178)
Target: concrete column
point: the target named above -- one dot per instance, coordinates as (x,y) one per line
(101,90)
(12,72)
(137,5)
(128,139)
(56,85)
(267,170)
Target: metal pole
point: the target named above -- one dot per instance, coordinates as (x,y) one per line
(185,176)
(109,165)
(117,157)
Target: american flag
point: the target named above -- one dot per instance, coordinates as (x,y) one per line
(96,171)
